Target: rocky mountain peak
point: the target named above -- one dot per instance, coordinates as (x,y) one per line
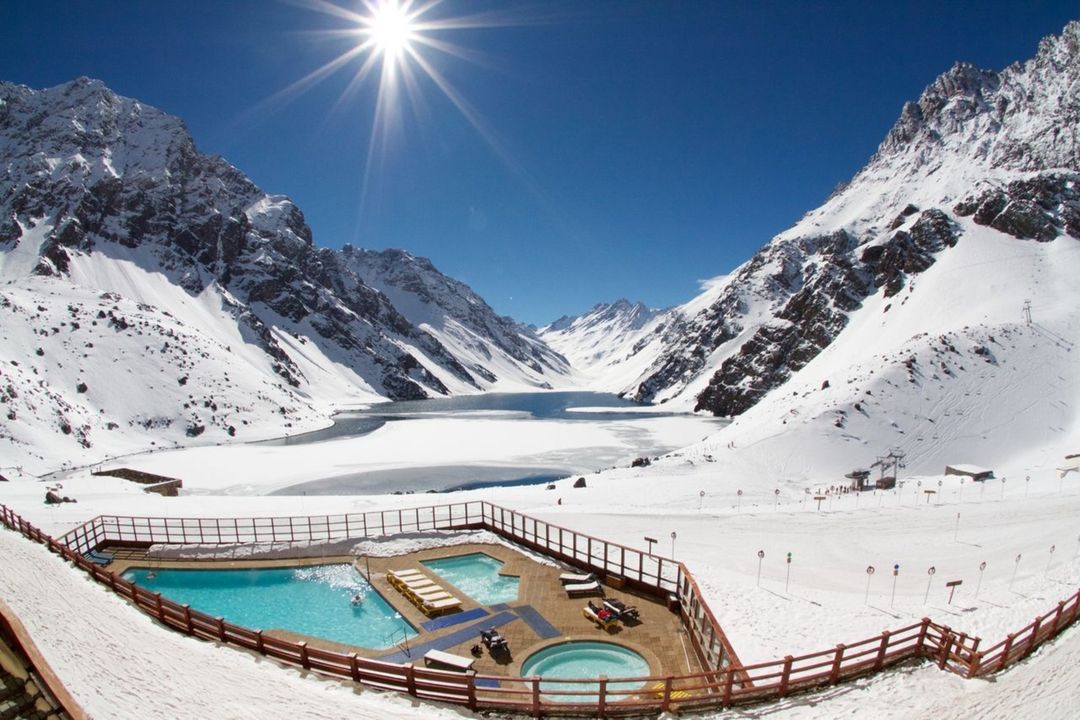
(1001,148)
(1024,117)
(102,193)
(1061,51)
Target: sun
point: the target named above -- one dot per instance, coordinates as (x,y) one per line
(391,29)
(398,48)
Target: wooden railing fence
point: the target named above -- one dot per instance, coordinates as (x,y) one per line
(724,683)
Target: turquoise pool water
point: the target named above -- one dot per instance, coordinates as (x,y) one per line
(585,660)
(315,601)
(478,576)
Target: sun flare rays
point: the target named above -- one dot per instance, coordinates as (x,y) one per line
(398,48)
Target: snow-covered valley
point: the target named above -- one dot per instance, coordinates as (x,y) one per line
(928,311)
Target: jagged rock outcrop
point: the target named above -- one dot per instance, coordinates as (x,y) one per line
(450,310)
(1037,208)
(108,173)
(1005,143)
(203,299)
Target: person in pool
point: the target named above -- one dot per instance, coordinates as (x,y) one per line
(357,599)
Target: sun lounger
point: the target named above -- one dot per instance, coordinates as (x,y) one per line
(579,589)
(98,558)
(608,621)
(409,574)
(622,610)
(438,607)
(576,578)
(437,593)
(415,584)
(450,660)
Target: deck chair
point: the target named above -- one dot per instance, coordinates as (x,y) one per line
(581,589)
(438,607)
(576,578)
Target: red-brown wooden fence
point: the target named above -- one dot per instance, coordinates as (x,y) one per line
(724,683)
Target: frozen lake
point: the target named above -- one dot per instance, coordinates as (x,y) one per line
(526,413)
(530,406)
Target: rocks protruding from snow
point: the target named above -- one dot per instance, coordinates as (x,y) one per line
(103,193)
(458,317)
(1007,143)
(1037,208)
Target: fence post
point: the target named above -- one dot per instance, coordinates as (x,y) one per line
(729,681)
(259,642)
(1005,651)
(882,649)
(601,701)
(1034,637)
(785,676)
(922,636)
(354,666)
(187,619)
(665,699)
(221,628)
(974,664)
(410,679)
(838,658)
(158,606)
(1057,618)
(946,645)
(536,696)
(303,655)
(471,685)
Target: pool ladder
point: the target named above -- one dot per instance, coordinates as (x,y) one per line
(403,644)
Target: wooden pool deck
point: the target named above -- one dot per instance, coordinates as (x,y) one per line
(541,615)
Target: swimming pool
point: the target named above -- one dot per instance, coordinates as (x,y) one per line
(314,601)
(585,659)
(477,575)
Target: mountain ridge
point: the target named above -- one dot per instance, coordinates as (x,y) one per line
(1000,147)
(105,194)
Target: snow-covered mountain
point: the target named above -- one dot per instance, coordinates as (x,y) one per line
(604,344)
(491,346)
(151,294)
(996,152)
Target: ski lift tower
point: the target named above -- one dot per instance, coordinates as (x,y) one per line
(894,461)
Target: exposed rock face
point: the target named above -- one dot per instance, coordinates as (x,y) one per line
(840,275)
(1037,208)
(1006,142)
(451,310)
(110,175)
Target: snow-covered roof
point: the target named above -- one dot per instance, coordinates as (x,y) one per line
(968,469)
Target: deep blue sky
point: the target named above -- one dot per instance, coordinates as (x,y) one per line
(650,144)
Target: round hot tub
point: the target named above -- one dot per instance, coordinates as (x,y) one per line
(584,660)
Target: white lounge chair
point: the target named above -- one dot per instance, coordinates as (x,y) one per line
(576,578)
(417,584)
(438,607)
(410,574)
(578,589)
(450,660)
(432,593)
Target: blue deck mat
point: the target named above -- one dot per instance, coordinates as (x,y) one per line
(487,682)
(465,634)
(500,607)
(456,619)
(536,621)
